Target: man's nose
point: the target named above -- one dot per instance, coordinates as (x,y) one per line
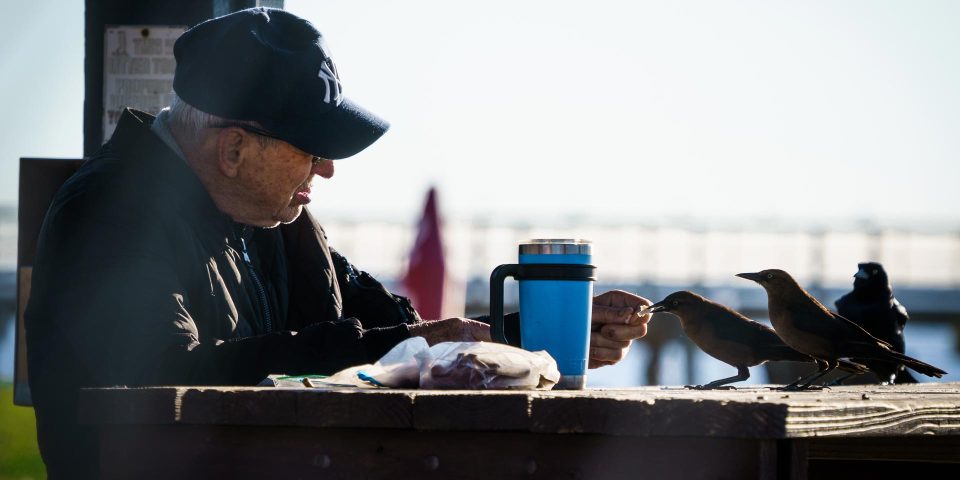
(323,167)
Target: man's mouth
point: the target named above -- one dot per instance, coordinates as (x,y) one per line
(301,197)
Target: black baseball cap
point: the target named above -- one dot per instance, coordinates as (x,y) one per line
(273,67)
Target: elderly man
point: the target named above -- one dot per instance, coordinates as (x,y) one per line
(180,253)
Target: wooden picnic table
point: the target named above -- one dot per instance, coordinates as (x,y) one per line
(646,432)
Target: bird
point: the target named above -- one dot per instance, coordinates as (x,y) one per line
(872,306)
(808,327)
(728,336)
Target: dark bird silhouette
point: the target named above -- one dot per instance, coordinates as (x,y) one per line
(728,336)
(808,327)
(872,306)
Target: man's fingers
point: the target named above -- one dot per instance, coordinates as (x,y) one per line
(610,355)
(480,331)
(620,298)
(597,340)
(616,315)
(623,332)
(605,350)
(616,321)
(597,364)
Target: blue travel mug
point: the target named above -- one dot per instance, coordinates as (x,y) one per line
(556,298)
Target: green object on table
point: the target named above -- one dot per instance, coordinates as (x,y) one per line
(300,378)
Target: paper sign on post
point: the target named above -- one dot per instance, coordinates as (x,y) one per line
(138,68)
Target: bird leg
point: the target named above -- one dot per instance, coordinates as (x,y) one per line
(803,383)
(852,368)
(795,385)
(840,380)
(743,373)
(831,366)
(809,383)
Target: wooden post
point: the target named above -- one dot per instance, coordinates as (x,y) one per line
(101,13)
(795,463)
(783,459)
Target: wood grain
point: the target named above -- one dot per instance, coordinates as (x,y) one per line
(463,410)
(751,413)
(754,432)
(355,409)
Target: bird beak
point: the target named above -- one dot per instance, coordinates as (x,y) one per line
(656,307)
(861,274)
(750,276)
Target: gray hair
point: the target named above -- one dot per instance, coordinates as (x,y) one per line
(191,122)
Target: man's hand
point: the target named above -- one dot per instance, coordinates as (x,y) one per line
(451,330)
(614,326)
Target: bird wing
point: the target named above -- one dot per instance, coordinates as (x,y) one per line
(813,319)
(756,333)
(763,340)
(900,311)
(718,332)
(731,325)
(781,352)
(856,332)
(883,318)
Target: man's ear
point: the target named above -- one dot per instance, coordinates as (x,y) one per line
(230,151)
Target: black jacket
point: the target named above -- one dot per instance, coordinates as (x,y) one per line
(140,280)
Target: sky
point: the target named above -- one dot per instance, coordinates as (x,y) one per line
(603,109)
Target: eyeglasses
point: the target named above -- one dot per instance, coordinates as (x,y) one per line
(259,131)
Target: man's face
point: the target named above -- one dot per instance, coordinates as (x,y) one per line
(276,179)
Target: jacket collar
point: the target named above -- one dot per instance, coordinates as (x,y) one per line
(180,188)
(161,129)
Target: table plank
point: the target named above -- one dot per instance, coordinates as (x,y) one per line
(945,449)
(468,410)
(202,451)
(355,409)
(752,413)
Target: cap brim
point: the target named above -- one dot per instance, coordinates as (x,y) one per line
(338,133)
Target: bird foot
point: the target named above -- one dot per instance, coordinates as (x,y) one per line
(708,387)
(800,388)
(785,388)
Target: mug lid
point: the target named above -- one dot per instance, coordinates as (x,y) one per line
(556,246)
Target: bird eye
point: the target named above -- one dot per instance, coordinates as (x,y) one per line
(769,276)
(874,271)
(675,303)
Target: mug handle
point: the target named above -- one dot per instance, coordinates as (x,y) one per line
(497,278)
(542,271)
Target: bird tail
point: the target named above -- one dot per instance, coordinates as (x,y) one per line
(917,365)
(852,367)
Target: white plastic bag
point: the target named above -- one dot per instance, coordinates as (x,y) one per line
(397,368)
(459,365)
(486,366)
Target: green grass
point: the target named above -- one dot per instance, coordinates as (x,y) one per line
(19,456)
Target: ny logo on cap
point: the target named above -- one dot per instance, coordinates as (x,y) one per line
(328,72)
